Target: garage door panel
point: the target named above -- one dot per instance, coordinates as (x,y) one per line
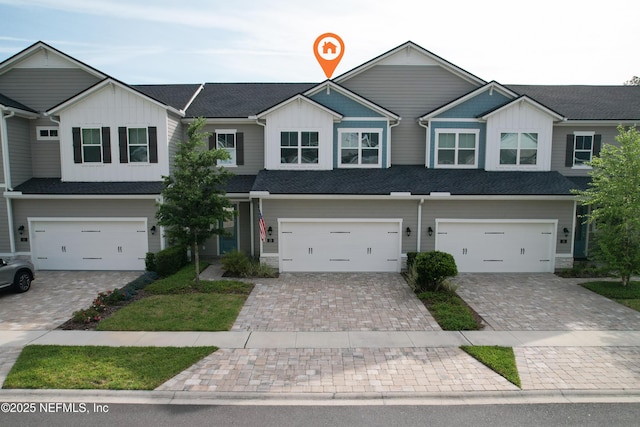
(339,246)
(89,245)
(498,247)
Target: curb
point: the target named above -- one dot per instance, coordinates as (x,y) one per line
(321,399)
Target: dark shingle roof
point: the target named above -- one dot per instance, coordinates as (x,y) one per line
(240,183)
(415,179)
(177,95)
(56,186)
(587,102)
(580,182)
(241,100)
(8,102)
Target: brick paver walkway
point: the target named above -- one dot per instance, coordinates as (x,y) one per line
(542,302)
(334,302)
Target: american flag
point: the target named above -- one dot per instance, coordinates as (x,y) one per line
(263,227)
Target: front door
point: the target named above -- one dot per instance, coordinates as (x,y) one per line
(581,235)
(229,240)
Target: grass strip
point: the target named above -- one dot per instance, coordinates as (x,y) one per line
(626,295)
(450,311)
(97,367)
(501,360)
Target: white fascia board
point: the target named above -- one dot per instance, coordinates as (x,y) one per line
(101,85)
(301,98)
(489,86)
(615,123)
(215,121)
(19,195)
(19,112)
(195,95)
(258,194)
(529,101)
(412,197)
(353,96)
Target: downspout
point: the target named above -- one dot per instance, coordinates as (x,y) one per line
(389,141)
(418,245)
(427,150)
(4,135)
(251,209)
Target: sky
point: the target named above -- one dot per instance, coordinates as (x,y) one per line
(194,41)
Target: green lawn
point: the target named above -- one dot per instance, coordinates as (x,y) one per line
(626,295)
(500,359)
(450,311)
(92,367)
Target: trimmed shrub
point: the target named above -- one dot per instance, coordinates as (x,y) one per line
(411,259)
(432,268)
(170,260)
(235,263)
(150,262)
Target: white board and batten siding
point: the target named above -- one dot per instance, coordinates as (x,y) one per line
(113,107)
(518,118)
(299,115)
(88,243)
(339,245)
(499,246)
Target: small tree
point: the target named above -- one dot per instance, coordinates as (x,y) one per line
(194,201)
(633,81)
(614,198)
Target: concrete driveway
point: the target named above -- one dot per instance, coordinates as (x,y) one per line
(54,296)
(542,302)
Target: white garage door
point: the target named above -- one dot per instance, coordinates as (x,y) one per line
(88,244)
(340,246)
(498,247)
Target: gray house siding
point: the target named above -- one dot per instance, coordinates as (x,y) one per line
(409,91)
(5,247)
(43,88)
(407,210)
(498,209)
(45,155)
(559,144)
(18,131)
(175,135)
(253,146)
(23,209)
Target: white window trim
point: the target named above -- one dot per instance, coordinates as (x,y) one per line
(582,133)
(48,129)
(146,129)
(457,132)
(379,131)
(299,147)
(235,146)
(536,165)
(82,145)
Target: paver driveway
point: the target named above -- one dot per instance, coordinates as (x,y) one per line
(330,302)
(54,296)
(542,302)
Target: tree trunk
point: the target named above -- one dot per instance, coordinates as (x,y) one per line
(196,256)
(625,279)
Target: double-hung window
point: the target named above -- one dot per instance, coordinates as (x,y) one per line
(91,145)
(456,148)
(299,147)
(360,147)
(518,148)
(138,145)
(226,140)
(582,148)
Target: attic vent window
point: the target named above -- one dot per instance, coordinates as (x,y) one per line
(45,133)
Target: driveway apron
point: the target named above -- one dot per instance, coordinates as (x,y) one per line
(542,302)
(54,296)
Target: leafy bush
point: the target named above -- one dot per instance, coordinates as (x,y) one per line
(583,269)
(150,262)
(411,258)
(432,268)
(235,263)
(260,269)
(170,260)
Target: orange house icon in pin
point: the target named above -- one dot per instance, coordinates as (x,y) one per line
(329,47)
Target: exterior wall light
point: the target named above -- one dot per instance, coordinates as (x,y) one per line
(21,230)
(270,230)
(430,231)
(566,232)
(408,231)
(153,230)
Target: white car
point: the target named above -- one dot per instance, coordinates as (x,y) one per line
(16,274)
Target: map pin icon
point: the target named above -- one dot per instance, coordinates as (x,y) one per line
(328,49)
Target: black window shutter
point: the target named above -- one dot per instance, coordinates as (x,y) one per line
(153,144)
(77,145)
(569,156)
(122,141)
(239,148)
(212,142)
(106,145)
(597,144)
